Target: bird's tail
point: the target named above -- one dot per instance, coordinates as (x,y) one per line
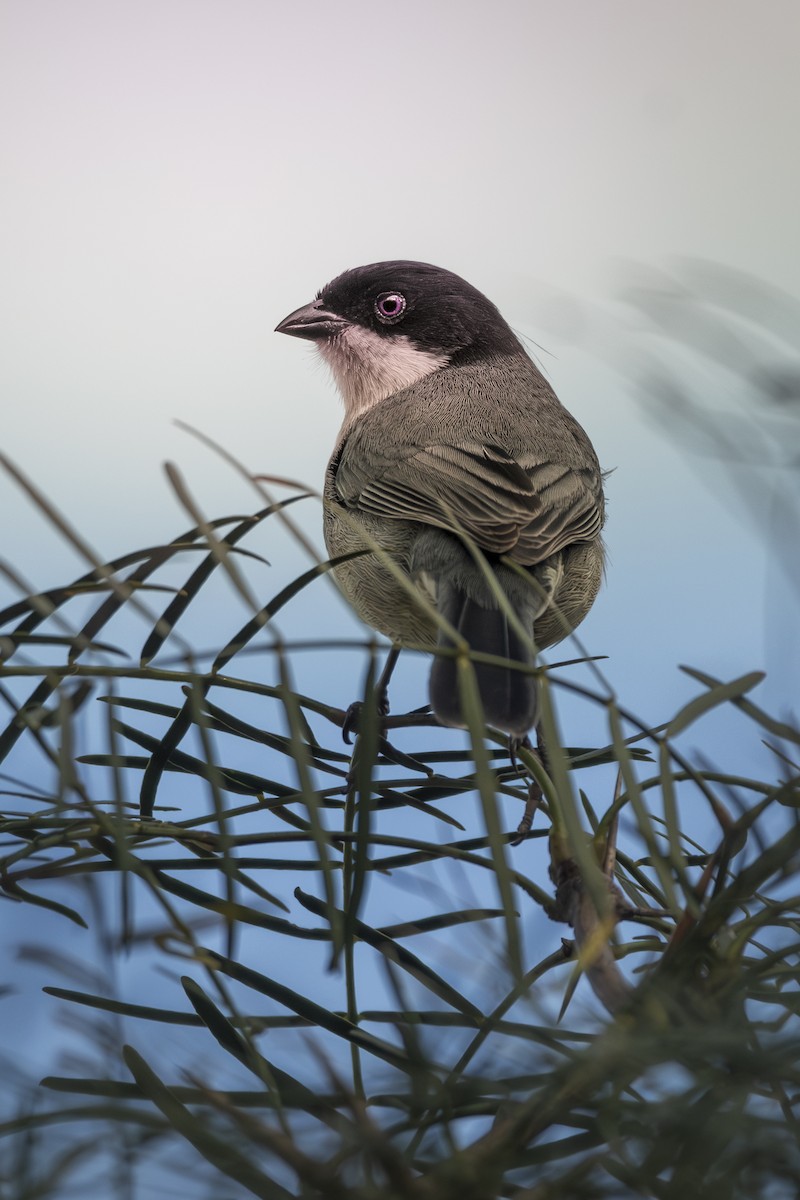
(509,696)
(470,605)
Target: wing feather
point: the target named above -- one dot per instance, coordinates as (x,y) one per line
(526,507)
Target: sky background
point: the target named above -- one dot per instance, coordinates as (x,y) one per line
(175,177)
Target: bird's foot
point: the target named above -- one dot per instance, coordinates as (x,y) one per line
(352,718)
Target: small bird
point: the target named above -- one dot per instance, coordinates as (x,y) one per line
(453,440)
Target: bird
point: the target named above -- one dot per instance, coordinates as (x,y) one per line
(455,457)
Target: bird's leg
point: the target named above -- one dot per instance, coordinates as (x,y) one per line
(353,714)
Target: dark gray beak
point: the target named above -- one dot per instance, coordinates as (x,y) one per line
(314,321)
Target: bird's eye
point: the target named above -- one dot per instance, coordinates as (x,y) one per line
(389,307)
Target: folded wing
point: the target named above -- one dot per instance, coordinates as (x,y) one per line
(523,507)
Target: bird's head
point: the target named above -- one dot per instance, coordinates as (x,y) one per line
(383,327)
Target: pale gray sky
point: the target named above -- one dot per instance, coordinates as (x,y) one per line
(177,175)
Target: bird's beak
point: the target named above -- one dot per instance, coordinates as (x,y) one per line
(314,322)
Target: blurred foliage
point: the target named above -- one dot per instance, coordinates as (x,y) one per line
(733,398)
(299,1045)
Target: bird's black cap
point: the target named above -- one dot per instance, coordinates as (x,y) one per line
(434,308)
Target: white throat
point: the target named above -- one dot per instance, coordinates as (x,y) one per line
(367,368)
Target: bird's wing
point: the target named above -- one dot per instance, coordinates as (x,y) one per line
(519,506)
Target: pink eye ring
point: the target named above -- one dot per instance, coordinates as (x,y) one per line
(390,307)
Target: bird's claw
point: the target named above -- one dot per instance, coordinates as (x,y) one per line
(352,718)
(350,722)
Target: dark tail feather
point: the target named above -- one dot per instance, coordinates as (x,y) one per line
(509,697)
